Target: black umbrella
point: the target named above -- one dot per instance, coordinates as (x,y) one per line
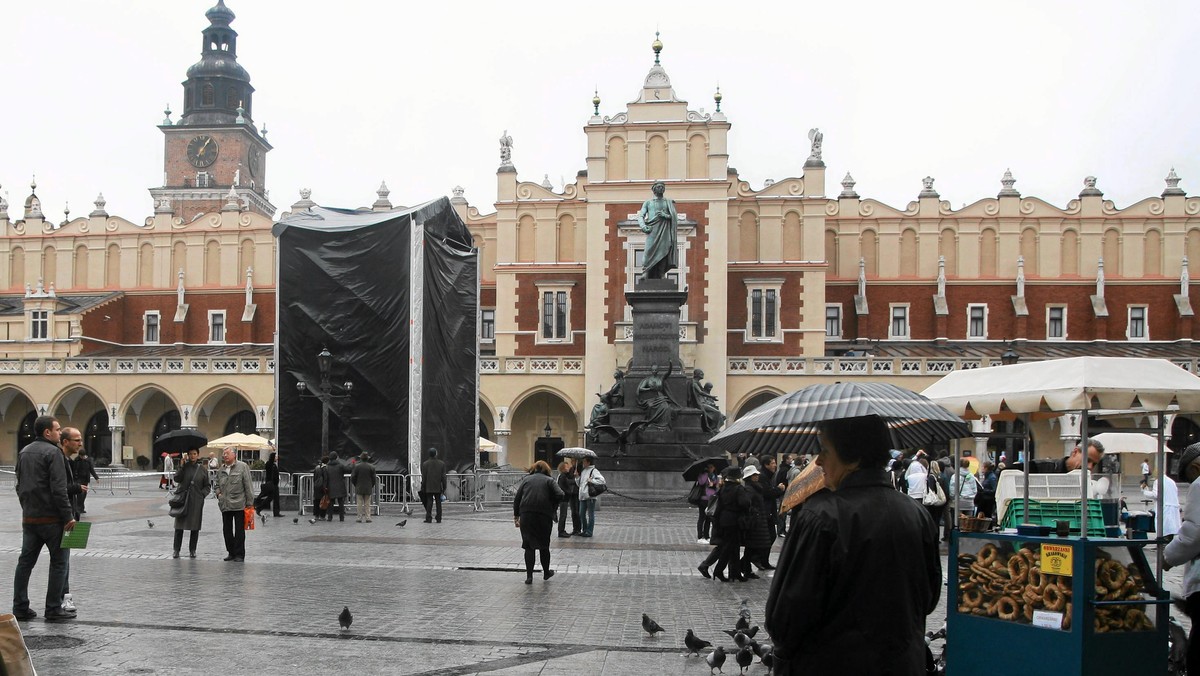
(697,468)
(180,441)
(788,424)
(576,452)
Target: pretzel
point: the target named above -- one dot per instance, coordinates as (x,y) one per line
(1007,608)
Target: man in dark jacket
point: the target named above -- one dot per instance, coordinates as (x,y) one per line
(335,475)
(834,605)
(45,514)
(781,477)
(363,478)
(433,484)
(85,471)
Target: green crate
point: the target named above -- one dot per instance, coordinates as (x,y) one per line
(1046,513)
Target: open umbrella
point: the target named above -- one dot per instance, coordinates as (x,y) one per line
(576,452)
(788,424)
(697,468)
(180,441)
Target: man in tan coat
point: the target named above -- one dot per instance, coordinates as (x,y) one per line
(234,495)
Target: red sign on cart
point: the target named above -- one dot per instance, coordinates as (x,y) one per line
(1057,559)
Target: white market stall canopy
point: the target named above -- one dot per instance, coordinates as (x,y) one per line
(1127,442)
(1075,384)
(238,440)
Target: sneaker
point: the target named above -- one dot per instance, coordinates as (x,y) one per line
(701,541)
(68,603)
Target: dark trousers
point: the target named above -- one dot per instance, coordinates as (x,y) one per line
(318,493)
(545,555)
(233,526)
(192,539)
(703,526)
(33,538)
(573,506)
(728,558)
(437,500)
(272,490)
(79,500)
(341,509)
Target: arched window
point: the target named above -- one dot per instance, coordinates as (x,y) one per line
(207,95)
(212,263)
(566,238)
(178,257)
(526,235)
(231,100)
(1029,250)
(618,169)
(49,266)
(656,157)
(79,275)
(243,421)
(748,236)
(1193,251)
(16,268)
(793,238)
(908,253)
(948,249)
(146,265)
(870,252)
(1112,253)
(697,157)
(1070,253)
(1152,265)
(245,256)
(987,253)
(97,439)
(112,267)
(831,252)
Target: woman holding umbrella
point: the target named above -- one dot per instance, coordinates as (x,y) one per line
(193,478)
(707,481)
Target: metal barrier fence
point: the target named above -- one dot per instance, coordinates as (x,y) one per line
(305,489)
(478,489)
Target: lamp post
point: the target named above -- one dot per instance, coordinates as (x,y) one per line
(328,392)
(1010,356)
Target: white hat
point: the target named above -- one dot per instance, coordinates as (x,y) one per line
(750,471)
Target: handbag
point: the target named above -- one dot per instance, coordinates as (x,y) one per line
(178,503)
(248,518)
(714,505)
(696,495)
(325,502)
(934,495)
(596,489)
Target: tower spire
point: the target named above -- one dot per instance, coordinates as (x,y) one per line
(217,84)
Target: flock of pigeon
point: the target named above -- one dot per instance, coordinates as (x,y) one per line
(745,649)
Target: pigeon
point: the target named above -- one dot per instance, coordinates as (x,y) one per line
(403,523)
(741,639)
(149,523)
(761,649)
(768,661)
(751,631)
(744,610)
(744,659)
(742,624)
(312,520)
(295,519)
(716,659)
(263,517)
(694,644)
(650,625)
(732,632)
(345,618)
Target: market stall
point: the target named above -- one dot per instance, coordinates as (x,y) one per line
(1068,603)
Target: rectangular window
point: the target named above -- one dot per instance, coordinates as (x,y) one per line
(1056,322)
(150,322)
(833,321)
(555,315)
(1137,323)
(977,321)
(487,325)
(39,325)
(899,325)
(216,326)
(764,313)
(202,179)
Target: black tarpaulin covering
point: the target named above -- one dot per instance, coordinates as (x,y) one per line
(346,283)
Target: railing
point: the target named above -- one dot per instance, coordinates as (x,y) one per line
(478,489)
(130,365)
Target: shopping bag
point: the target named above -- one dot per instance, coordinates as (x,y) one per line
(248,518)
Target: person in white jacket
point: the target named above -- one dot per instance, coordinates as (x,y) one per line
(1185,549)
(587,502)
(1170,517)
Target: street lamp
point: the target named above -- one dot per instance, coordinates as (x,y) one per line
(328,392)
(1010,356)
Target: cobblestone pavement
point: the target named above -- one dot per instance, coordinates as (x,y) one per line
(434,599)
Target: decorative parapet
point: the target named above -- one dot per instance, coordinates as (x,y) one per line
(132,365)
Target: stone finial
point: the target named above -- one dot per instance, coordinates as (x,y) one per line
(99,211)
(3,207)
(927,188)
(66,213)
(941,278)
(1100,278)
(232,203)
(657,46)
(458,195)
(1021,276)
(1173,185)
(167,119)
(241,115)
(506,143)
(249,285)
(305,202)
(596,102)
(179,289)
(1184,278)
(1007,182)
(546,182)
(1090,189)
(382,203)
(163,206)
(263,133)
(862,277)
(848,184)
(717,98)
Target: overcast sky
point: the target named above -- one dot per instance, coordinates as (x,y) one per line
(417,94)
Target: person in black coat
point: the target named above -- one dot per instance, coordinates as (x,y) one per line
(85,471)
(760,536)
(533,512)
(335,477)
(568,482)
(733,505)
(270,487)
(320,486)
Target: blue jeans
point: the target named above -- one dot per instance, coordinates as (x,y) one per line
(587,516)
(34,537)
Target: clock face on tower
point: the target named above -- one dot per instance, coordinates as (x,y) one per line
(202,151)
(253,159)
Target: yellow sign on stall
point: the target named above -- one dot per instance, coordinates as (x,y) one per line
(1057,559)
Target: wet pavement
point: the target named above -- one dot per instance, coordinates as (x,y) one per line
(434,599)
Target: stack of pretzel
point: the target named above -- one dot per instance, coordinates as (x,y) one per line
(1011,586)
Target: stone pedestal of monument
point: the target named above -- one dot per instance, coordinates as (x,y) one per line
(640,460)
